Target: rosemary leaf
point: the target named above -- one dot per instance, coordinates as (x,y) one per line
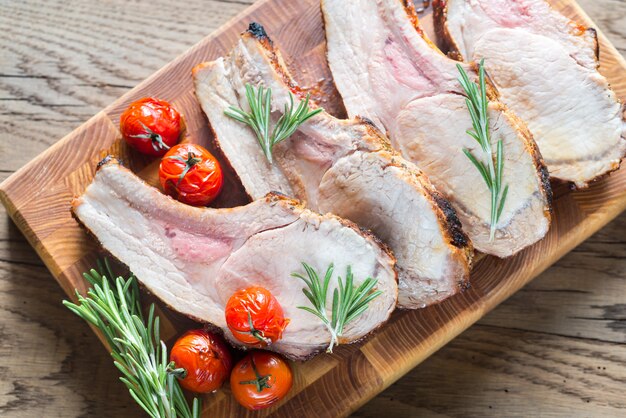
(310,297)
(314,312)
(500,162)
(335,309)
(480,166)
(502,199)
(491,171)
(356,312)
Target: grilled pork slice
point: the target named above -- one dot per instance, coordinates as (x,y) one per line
(545,68)
(389,72)
(341,166)
(194,259)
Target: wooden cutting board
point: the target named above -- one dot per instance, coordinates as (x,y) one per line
(37,198)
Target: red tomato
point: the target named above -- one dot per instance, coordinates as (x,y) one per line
(205,359)
(260,380)
(151,126)
(191,174)
(255,317)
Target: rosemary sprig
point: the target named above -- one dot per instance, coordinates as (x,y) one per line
(137,350)
(348,301)
(491,171)
(259,117)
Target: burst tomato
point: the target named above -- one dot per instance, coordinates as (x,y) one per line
(260,380)
(255,317)
(191,174)
(151,126)
(205,359)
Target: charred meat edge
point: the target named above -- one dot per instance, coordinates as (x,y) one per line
(453,232)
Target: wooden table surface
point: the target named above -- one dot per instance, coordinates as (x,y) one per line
(556,348)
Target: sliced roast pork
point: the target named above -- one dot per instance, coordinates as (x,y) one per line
(341,166)
(194,259)
(387,70)
(545,68)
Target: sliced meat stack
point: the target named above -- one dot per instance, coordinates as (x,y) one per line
(194,259)
(546,70)
(388,71)
(345,167)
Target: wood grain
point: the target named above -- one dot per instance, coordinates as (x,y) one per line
(527,348)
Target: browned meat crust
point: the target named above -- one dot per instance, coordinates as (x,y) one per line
(440,15)
(446,213)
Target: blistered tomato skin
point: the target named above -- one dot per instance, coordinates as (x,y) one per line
(151,126)
(205,358)
(255,317)
(260,380)
(191,174)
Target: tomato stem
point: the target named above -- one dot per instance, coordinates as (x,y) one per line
(157,139)
(255,332)
(189,163)
(261,382)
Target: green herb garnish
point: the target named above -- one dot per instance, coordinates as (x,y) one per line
(491,172)
(113,306)
(348,300)
(259,117)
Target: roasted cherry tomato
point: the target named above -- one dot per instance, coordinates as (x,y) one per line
(202,361)
(255,317)
(191,174)
(260,380)
(151,126)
